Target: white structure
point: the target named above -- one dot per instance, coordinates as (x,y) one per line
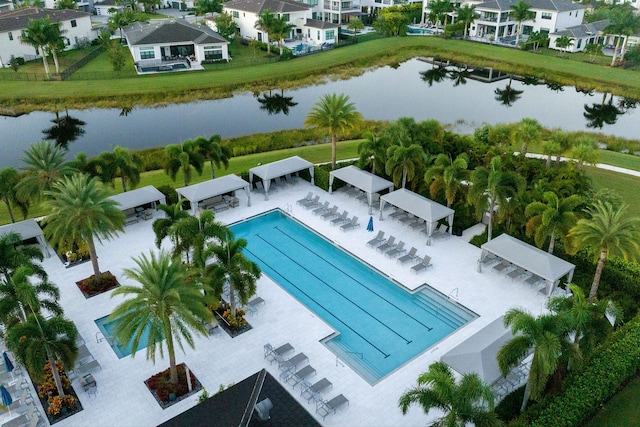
(76,26)
(366,181)
(6,5)
(582,35)
(212,189)
(278,169)
(27,229)
(102,8)
(81,5)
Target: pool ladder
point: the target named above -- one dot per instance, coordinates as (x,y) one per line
(288,208)
(99,337)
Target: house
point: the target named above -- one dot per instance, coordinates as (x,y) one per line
(582,35)
(76,25)
(6,5)
(102,8)
(174,44)
(81,5)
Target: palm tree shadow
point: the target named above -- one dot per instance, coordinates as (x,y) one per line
(276,104)
(65,129)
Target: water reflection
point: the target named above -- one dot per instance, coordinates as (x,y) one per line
(459,75)
(276,104)
(508,95)
(65,130)
(599,114)
(125,111)
(435,75)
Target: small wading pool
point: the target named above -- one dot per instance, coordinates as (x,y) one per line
(121,351)
(379,325)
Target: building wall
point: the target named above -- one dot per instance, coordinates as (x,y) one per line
(246,22)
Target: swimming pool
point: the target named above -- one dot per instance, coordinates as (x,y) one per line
(121,351)
(379,325)
(411,30)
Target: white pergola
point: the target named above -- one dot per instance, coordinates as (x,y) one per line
(543,264)
(212,188)
(279,168)
(138,197)
(366,181)
(27,229)
(419,206)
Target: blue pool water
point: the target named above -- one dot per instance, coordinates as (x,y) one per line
(121,351)
(380,326)
(419,30)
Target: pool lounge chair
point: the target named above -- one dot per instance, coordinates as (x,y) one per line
(389,244)
(378,240)
(398,213)
(270,353)
(341,218)
(394,252)
(417,224)
(514,274)
(502,266)
(330,213)
(327,407)
(407,219)
(322,209)
(351,224)
(312,391)
(293,362)
(532,280)
(279,182)
(301,375)
(290,179)
(408,257)
(311,203)
(422,265)
(306,199)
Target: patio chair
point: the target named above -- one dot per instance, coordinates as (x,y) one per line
(408,257)
(306,199)
(327,407)
(259,187)
(394,252)
(407,219)
(271,353)
(422,265)
(330,213)
(290,179)
(419,222)
(441,231)
(362,198)
(389,244)
(514,274)
(322,209)
(341,218)
(312,391)
(294,362)
(301,375)
(351,224)
(311,203)
(378,240)
(398,213)
(532,280)
(279,182)
(501,266)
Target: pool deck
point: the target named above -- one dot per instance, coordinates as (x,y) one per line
(123,400)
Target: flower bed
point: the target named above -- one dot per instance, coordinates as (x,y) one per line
(167,394)
(233,326)
(56,407)
(90,288)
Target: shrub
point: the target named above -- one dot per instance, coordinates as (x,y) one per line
(237,321)
(170,193)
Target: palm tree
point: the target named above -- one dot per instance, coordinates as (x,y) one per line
(521,12)
(538,39)
(563,43)
(403,160)
(35,35)
(528,131)
(584,151)
(372,152)
(459,75)
(607,231)
(468,402)
(183,157)
(8,180)
(162,226)
(623,23)
(167,305)
(435,74)
(14,255)
(552,218)
(466,14)
(493,186)
(80,210)
(594,50)
(333,114)
(39,341)
(54,41)
(281,29)
(447,175)
(266,23)
(121,162)
(212,150)
(543,335)
(45,166)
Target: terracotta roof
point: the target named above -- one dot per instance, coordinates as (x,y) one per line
(18,19)
(274,6)
(170,31)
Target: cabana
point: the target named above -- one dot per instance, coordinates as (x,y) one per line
(366,181)
(131,202)
(213,188)
(27,229)
(548,267)
(277,169)
(419,206)
(477,354)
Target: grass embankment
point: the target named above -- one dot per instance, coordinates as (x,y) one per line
(622,410)
(343,62)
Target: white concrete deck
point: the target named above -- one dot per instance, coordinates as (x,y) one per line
(123,400)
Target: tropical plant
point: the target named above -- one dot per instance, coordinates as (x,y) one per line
(520,12)
(526,132)
(123,163)
(373,152)
(266,23)
(355,24)
(14,255)
(184,157)
(404,158)
(585,151)
(80,211)
(594,50)
(162,226)
(8,180)
(281,30)
(213,151)
(167,306)
(607,230)
(333,114)
(202,7)
(54,41)
(35,35)
(552,218)
(467,402)
(226,26)
(563,43)
(446,174)
(439,10)
(121,18)
(66,4)
(466,14)
(623,23)
(537,39)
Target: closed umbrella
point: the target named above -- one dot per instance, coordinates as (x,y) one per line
(6,397)
(370,225)
(7,362)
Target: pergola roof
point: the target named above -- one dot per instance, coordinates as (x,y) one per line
(364,180)
(27,229)
(279,168)
(138,197)
(214,187)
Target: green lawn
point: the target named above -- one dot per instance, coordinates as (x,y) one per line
(622,410)
(627,161)
(625,185)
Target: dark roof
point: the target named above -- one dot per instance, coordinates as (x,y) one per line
(170,31)
(321,25)
(557,5)
(584,30)
(274,6)
(18,19)
(233,407)
(107,3)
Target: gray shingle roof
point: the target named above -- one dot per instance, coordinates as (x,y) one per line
(274,6)
(557,5)
(106,3)
(584,30)
(18,19)
(170,31)
(321,25)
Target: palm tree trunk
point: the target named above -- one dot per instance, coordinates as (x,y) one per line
(525,399)
(404,177)
(552,242)
(518,33)
(55,60)
(466,25)
(334,144)
(94,258)
(596,277)
(490,225)
(56,374)
(45,63)
(6,201)
(615,53)
(213,171)
(232,300)
(173,369)
(548,161)
(124,182)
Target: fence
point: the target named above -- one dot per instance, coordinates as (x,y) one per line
(69,69)
(64,75)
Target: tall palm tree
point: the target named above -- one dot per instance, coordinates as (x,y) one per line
(491,187)
(35,35)
(8,180)
(585,151)
(333,114)
(403,162)
(552,218)
(521,12)
(266,23)
(212,150)
(281,29)
(14,255)
(185,157)
(81,211)
(466,14)
(608,230)
(447,174)
(162,226)
(528,131)
(373,152)
(123,163)
(167,305)
(623,23)
(563,43)
(45,165)
(467,402)
(54,41)
(39,341)
(544,335)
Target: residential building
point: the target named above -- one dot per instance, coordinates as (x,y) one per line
(102,8)
(6,5)
(82,5)
(582,35)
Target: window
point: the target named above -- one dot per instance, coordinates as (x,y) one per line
(236,14)
(579,45)
(318,34)
(330,34)
(10,36)
(147,53)
(547,15)
(212,53)
(287,17)
(74,23)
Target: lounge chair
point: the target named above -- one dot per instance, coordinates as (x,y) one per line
(389,244)
(351,224)
(311,203)
(306,199)
(279,182)
(441,231)
(341,218)
(532,280)
(259,187)
(252,306)
(270,353)
(322,209)
(327,407)
(422,265)
(330,213)
(301,375)
(378,240)
(312,391)
(514,274)
(408,257)
(397,214)
(407,219)
(502,266)
(362,198)
(294,362)
(394,252)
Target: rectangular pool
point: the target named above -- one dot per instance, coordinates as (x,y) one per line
(379,325)
(121,351)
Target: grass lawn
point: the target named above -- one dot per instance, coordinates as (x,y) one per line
(622,410)
(625,185)
(65,59)
(627,161)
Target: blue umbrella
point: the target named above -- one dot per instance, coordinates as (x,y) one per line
(7,361)
(6,397)
(370,225)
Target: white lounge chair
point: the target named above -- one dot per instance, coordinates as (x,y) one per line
(311,203)
(394,252)
(389,244)
(322,209)
(312,391)
(422,265)
(341,218)
(330,213)
(408,257)
(378,240)
(306,199)
(351,224)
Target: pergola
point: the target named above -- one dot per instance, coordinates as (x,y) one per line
(366,181)
(419,206)
(212,188)
(543,264)
(139,197)
(279,168)
(27,229)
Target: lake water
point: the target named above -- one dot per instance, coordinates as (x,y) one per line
(382,94)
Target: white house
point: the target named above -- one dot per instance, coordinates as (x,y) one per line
(102,8)
(582,35)
(174,44)
(76,24)
(82,5)
(6,5)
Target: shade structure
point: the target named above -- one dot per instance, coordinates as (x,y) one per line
(419,206)
(212,188)
(27,229)
(139,197)
(477,354)
(543,264)
(279,168)
(366,181)
(7,362)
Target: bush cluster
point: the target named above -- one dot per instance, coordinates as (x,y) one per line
(160,384)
